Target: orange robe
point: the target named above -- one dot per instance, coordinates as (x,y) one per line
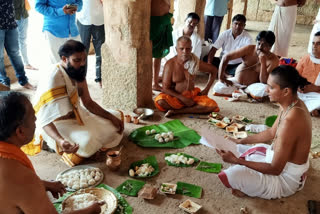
(175,103)
(308,69)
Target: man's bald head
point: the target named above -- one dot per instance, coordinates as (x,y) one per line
(184,39)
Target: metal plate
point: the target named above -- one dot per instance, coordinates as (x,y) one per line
(76,168)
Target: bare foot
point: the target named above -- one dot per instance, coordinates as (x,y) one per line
(29,86)
(30,67)
(238,193)
(156,87)
(315,113)
(169,113)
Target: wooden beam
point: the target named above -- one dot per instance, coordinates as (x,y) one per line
(245,7)
(230,6)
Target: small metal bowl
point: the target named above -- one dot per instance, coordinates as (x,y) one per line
(146,111)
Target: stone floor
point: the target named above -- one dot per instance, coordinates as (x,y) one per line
(216,198)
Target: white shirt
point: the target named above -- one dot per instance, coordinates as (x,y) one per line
(195,39)
(228,43)
(91,13)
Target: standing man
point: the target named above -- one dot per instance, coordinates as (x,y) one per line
(282,24)
(59,23)
(91,24)
(9,41)
(231,40)
(21,8)
(213,17)
(160,35)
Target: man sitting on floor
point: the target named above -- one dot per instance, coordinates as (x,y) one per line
(257,63)
(276,170)
(21,189)
(309,68)
(62,123)
(179,94)
(231,40)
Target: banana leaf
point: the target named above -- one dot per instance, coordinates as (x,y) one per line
(130,187)
(150,160)
(270,120)
(189,189)
(209,167)
(123,206)
(181,164)
(184,136)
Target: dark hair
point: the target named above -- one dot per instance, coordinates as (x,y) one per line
(193,16)
(268,36)
(70,47)
(317,33)
(12,112)
(288,77)
(239,18)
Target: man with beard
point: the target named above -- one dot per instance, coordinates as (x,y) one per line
(180,96)
(257,63)
(62,122)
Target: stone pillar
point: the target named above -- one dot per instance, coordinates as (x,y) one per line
(183,7)
(127,55)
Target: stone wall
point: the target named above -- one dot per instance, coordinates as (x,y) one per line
(126,54)
(261,10)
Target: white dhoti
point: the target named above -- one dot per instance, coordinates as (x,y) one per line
(311,100)
(257,184)
(257,90)
(282,24)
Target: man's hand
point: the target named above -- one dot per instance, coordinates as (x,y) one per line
(55,187)
(68,147)
(227,82)
(95,208)
(227,156)
(117,123)
(310,88)
(262,58)
(204,92)
(237,141)
(188,102)
(69,11)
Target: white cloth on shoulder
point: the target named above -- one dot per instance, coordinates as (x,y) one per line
(257,184)
(95,133)
(282,24)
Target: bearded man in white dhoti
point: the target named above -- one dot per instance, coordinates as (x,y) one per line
(66,127)
(282,24)
(309,68)
(276,170)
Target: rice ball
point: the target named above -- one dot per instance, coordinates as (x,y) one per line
(97,178)
(91,182)
(76,186)
(153,131)
(83,185)
(148,132)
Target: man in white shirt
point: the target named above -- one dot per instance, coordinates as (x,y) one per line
(231,40)
(91,24)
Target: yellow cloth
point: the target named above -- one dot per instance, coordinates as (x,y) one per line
(175,103)
(10,151)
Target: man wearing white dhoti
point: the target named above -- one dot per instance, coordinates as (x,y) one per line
(276,170)
(62,122)
(257,62)
(309,68)
(282,24)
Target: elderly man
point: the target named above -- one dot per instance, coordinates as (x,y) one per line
(231,40)
(17,175)
(257,63)
(180,96)
(62,123)
(309,68)
(315,29)
(59,23)
(282,24)
(160,35)
(276,170)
